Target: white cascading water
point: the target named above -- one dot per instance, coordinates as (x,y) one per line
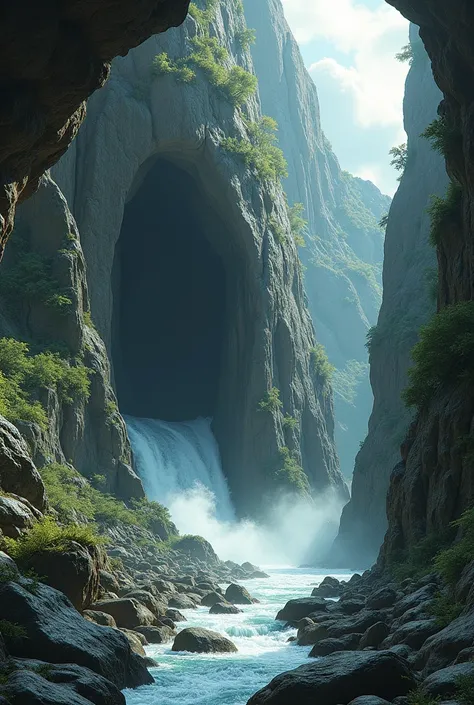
(175,458)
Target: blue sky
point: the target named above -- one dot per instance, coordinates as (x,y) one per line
(349,48)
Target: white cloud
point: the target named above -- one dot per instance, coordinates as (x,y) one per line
(369,38)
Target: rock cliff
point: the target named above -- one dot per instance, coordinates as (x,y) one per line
(344,243)
(409,299)
(176,226)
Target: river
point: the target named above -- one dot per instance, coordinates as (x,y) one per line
(263,647)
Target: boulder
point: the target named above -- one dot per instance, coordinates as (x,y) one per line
(374,635)
(198,548)
(135,641)
(381,599)
(350,606)
(359,623)
(211,598)
(249,567)
(294,610)
(175,615)
(330,587)
(39,683)
(339,678)
(202,641)
(422,596)
(157,635)
(127,612)
(441,649)
(102,618)
(74,571)
(148,600)
(224,608)
(15,517)
(349,642)
(310,632)
(108,581)
(258,574)
(181,602)
(238,595)
(369,700)
(413,634)
(18,474)
(444,683)
(54,627)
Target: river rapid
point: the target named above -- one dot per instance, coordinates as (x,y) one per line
(263,647)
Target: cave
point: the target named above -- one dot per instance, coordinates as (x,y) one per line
(169,283)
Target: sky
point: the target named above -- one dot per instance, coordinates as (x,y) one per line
(349,48)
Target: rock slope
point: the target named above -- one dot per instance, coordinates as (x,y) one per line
(409,298)
(344,243)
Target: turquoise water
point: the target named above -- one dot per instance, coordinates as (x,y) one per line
(263,647)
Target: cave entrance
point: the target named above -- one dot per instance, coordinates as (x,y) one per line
(169,287)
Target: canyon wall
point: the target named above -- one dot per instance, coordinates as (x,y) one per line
(409,299)
(344,243)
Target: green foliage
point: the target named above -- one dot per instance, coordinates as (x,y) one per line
(205,15)
(465,690)
(320,365)
(419,697)
(290,422)
(432,283)
(246,37)
(443,355)
(278,230)
(88,320)
(69,492)
(30,280)
(346,381)
(352,211)
(399,156)
(259,151)
(443,137)
(22,375)
(451,562)
(239,85)
(444,211)
(47,535)
(445,609)
(383,222)
(11,630)
(406,54)
(271,401)
(418,561)
(297,223)
(163,65)
(291,473)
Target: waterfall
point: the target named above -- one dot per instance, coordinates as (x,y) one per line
(173,458)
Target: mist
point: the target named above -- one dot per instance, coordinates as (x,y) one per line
(293,532)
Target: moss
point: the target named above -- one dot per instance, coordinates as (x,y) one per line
(418,560)
(259,150)
(444,354)
(465,690)
(445,212)
(271,401)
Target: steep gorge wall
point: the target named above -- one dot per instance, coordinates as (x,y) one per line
(138,121)
(409,299)
(344,252)
(433,484)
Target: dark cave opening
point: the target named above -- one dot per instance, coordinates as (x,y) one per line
(169,301)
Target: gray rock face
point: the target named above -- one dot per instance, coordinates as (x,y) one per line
(442,649)
(202,641)
(410,264)
(343,275)
(18,474)
(298,608)
(339,678)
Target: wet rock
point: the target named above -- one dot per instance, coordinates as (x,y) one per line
(374,635)
(310,632)
(238,595)
(351,606)
(102,618)
(444,683)
(339,678)
(181,602)
(157,635)
(349,642)
(422,596)
(127,612)
(148,600)
(359,623)
(413,634)
(54,627)
(175,615)
(382,598)
(224,608)
(441,649)
(203,641)
(211,598)
(294,610)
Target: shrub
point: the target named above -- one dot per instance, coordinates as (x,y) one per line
(11,630)
(290,421)
(278,230)
(443,355)
(399,156)
(320,364)
(383,222)
(239,85)
(47,535)
(22,375)
(443,137)
(204,16)
(163,65)
(297,223)
(271,401)
(418,561)
(445,609)
(451,562)
(259,151)
(444,211)
(30,280)
(246,37)
(291,473)
(465,690)
(406,54)
(419,697)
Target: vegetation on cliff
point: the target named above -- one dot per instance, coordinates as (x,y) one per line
(259,149)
